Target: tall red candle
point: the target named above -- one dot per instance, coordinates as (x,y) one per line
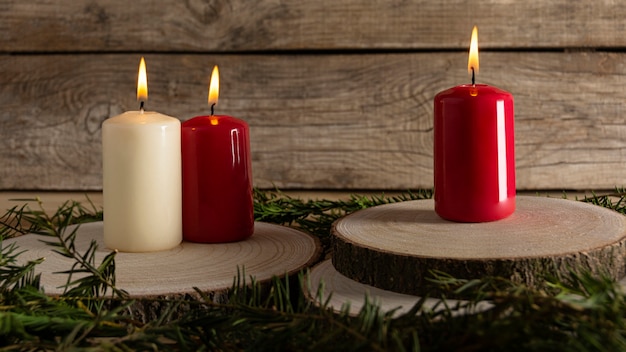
(474,157)
(217,176)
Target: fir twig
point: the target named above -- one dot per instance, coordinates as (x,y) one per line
(615,200)
(587,313)
(317,216)
(12,224)
(95,279)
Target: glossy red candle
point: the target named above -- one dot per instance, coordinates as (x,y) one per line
(474,154)
(217,180)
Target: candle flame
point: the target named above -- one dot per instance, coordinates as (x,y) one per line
(214,86)
(142,81)
(472,62)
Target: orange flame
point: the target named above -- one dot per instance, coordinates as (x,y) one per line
(214,86)
(142,81)
(472,62)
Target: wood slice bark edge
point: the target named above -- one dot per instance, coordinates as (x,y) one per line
(412,274)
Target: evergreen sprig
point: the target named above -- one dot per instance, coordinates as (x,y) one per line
(587,313)
(317,216)
(94,279)
(615,200)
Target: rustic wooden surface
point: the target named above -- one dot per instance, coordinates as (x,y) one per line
(337,121)
(396,246)
(338,94)
(51,201)
(271,251)
(240,25)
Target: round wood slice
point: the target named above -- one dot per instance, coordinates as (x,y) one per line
(343,293)
(395,246)
(272,250)
(326,283)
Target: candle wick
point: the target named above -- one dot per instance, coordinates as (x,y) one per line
(212,107)
(141,103)
(473,77)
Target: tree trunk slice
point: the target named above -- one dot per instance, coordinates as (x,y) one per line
(326,283)
(396,246)
(272,250)
(342,292)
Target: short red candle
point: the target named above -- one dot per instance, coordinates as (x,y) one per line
(217,179)
(474,156)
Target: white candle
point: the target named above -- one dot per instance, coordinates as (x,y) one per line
(142,194)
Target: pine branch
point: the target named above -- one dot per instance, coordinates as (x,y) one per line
(317,216)
(586,314)
(99,278)
(615,200)
(12,223)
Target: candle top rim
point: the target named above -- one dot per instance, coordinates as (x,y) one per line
(141,117)
(205,120)
(477,85)
(482,89)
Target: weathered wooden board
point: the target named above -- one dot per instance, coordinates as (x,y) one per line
(318,121)
(241,25)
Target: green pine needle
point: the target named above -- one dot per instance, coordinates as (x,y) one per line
(587,313)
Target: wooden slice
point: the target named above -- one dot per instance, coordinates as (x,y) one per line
(273,250)
(326,283)
(395,246)
(344,293)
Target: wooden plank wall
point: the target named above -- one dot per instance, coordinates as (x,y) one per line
(338,94)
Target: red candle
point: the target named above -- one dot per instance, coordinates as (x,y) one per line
(474,157)
(217,176)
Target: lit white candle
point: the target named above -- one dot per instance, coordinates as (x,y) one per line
(142,194)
